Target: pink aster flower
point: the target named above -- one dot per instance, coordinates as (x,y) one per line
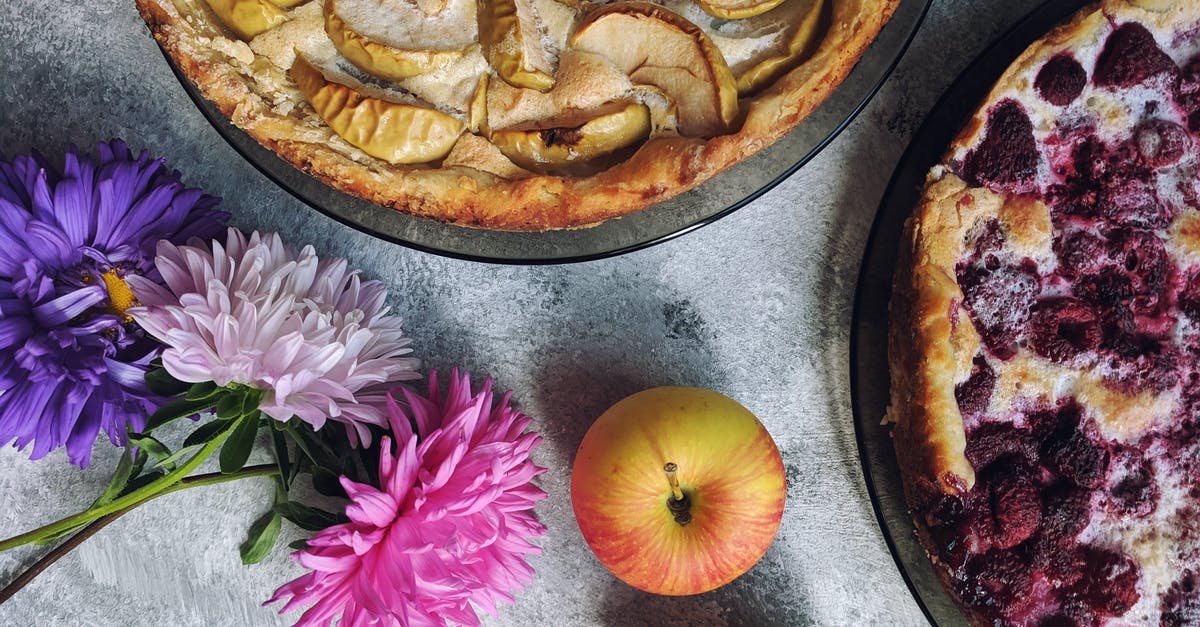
(449,524)
(310,333)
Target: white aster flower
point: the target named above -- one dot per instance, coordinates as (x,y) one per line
(311,334)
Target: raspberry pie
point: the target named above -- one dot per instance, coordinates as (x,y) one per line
(1045,332)
(515,114)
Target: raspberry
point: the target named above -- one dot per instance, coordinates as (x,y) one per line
(1134,490)
(1133,201)
(1189,297)
(974,394)
(1061,80)
(1181,602)
(1076,457)
(1131,56)
(991,441)
(999,300)
(1062,329)
(1144,257)
(1139,363)
(1109,583)
(996,584)
(1007,158)
(1107,182)
(1079,252)
(1110,291)
(1187,93)
(1160,142)
(986,238)
(1016,504)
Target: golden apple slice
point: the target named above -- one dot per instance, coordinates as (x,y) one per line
(737,9)
(575,137)
(655,46)
(392,131)
(802,44)
(248,18)
(287,4)
(379,56)
(510,33)
(477,111)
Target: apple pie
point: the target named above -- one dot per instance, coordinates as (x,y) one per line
(515,114)
(1045,332)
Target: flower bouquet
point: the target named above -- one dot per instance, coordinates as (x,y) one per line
(126,305)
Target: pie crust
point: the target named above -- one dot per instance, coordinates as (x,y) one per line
(936,338)
(476,185)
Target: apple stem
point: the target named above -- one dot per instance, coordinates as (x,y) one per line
(679,503)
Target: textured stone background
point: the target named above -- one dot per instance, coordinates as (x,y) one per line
(756,306)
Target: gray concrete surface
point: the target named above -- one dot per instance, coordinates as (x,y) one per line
(756,306)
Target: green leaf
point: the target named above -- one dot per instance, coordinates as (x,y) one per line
(168,463)
(261,538)
(206,432)
(297,545)
(230,406)
(282,459)
(162,383)
(237,448)
(125,470)
(203,391)
(327,482)
(176,409)
(309,518)
(155,449)
(250,400)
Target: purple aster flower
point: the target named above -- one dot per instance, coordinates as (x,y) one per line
(71,360)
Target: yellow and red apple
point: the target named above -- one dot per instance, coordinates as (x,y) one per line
(678,490)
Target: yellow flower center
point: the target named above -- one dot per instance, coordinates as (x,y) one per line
(120,297)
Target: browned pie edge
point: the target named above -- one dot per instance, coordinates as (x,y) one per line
(660,169)
(931,344)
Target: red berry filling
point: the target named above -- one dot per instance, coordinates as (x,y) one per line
(1007,158)
(1161,143)
(1189,297)
(999,296)
(1138,363)
(1062,329)
(1105,306)
(1131,56)
(974,394)
(1181,602)
(1133,490)
(1012,541)
(1109,583)
(1061,80)
(1187,94)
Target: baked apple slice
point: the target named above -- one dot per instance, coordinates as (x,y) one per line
(410,43)
(737,9)
(392,131)
(510,32)
(800,45)
(248,18)
(655,46)
(575,138)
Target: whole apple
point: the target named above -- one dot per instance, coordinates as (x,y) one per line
(678,490)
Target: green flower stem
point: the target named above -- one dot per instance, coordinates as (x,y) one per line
(264,470)
(136,497)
